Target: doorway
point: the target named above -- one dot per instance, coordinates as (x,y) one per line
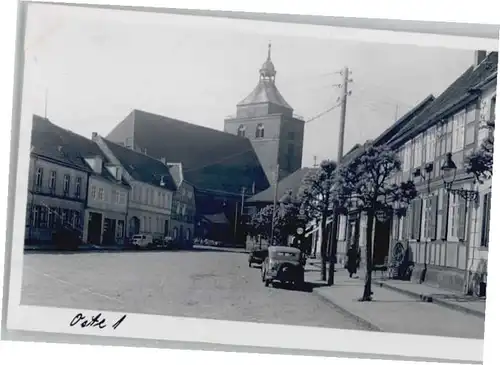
(94,229)
(381,241)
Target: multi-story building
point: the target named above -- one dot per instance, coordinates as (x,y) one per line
(268,121)
(183,207)
(152,188)
(73,188)
(57,192)
(442,231)
(107,200)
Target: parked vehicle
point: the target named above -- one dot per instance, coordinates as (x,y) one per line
(142,240)
(257,256)
(283,264)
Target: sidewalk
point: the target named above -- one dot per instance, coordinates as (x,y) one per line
(456,301)
(392,311)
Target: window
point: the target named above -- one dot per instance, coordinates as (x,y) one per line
(458,132)
(178,210)
(417,150)
(485,229)
(51,217)
(184,209)
(160,199)
(115,198)
(76,219)
(416,216)
(66,184)
(64,216)
(259,131)
(457,220)
(123,197)
(43,216)
(149,224)
(101,194)
(36,216)
(158,224)
(93,191)
(52,181)
(78,187)
(430,145)
(429,223)
(241,131)
(39,177)
(407,157)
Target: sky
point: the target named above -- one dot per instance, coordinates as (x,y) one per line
(87,69)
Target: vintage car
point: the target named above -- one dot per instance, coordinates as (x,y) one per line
(283,264)
(257,256)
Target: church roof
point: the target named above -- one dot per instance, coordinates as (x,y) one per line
(212,160)
(265,92)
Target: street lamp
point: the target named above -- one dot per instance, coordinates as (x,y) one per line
(449,173)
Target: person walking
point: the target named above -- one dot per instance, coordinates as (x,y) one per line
(353,260)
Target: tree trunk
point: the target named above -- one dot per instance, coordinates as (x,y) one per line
(367,293)
(333,250)
(324,242)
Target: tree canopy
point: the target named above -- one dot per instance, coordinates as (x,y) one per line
(480,162)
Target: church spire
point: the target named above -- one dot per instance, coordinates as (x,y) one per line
(267,71)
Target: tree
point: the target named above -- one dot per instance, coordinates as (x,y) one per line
(366,181)
(285,221)
(480,162)
(315,197)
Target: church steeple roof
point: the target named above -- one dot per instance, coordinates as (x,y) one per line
(266,90)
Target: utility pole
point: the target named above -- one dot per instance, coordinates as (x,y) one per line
(340,153)
(315,158)
(275,199)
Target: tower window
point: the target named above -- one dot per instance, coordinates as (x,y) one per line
(241,131)
(259,131)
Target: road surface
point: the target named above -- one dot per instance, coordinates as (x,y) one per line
(203,283)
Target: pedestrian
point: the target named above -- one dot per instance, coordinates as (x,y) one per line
(353,260)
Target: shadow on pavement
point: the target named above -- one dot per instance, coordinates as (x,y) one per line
(308,287)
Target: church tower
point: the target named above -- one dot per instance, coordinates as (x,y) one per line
(267,120)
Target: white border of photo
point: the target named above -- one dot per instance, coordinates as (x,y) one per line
(140,326)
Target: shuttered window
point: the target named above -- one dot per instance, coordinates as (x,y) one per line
(416,219)
(444,216)
(433,217)
(485,229)
(462,220)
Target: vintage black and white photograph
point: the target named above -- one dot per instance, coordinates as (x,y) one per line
(188,170)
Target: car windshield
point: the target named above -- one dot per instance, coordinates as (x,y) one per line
(284,255)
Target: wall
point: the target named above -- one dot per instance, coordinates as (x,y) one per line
(123,133)
(108,203)
(53,200)
(265,148)
(153,213)
(183,212)
(296,128)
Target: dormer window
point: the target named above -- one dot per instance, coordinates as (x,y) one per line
(241,131)
(259,131)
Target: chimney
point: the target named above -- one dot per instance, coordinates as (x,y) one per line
(479,57)
(163,160)
(94,136)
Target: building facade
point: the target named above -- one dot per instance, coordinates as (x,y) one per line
(107,204)
(444,234)
(56,197)
(183,217)
(268,121)
(152,188)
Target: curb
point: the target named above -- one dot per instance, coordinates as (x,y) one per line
(431,299)
(359,320)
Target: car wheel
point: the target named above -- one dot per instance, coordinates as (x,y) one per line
(266,282)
